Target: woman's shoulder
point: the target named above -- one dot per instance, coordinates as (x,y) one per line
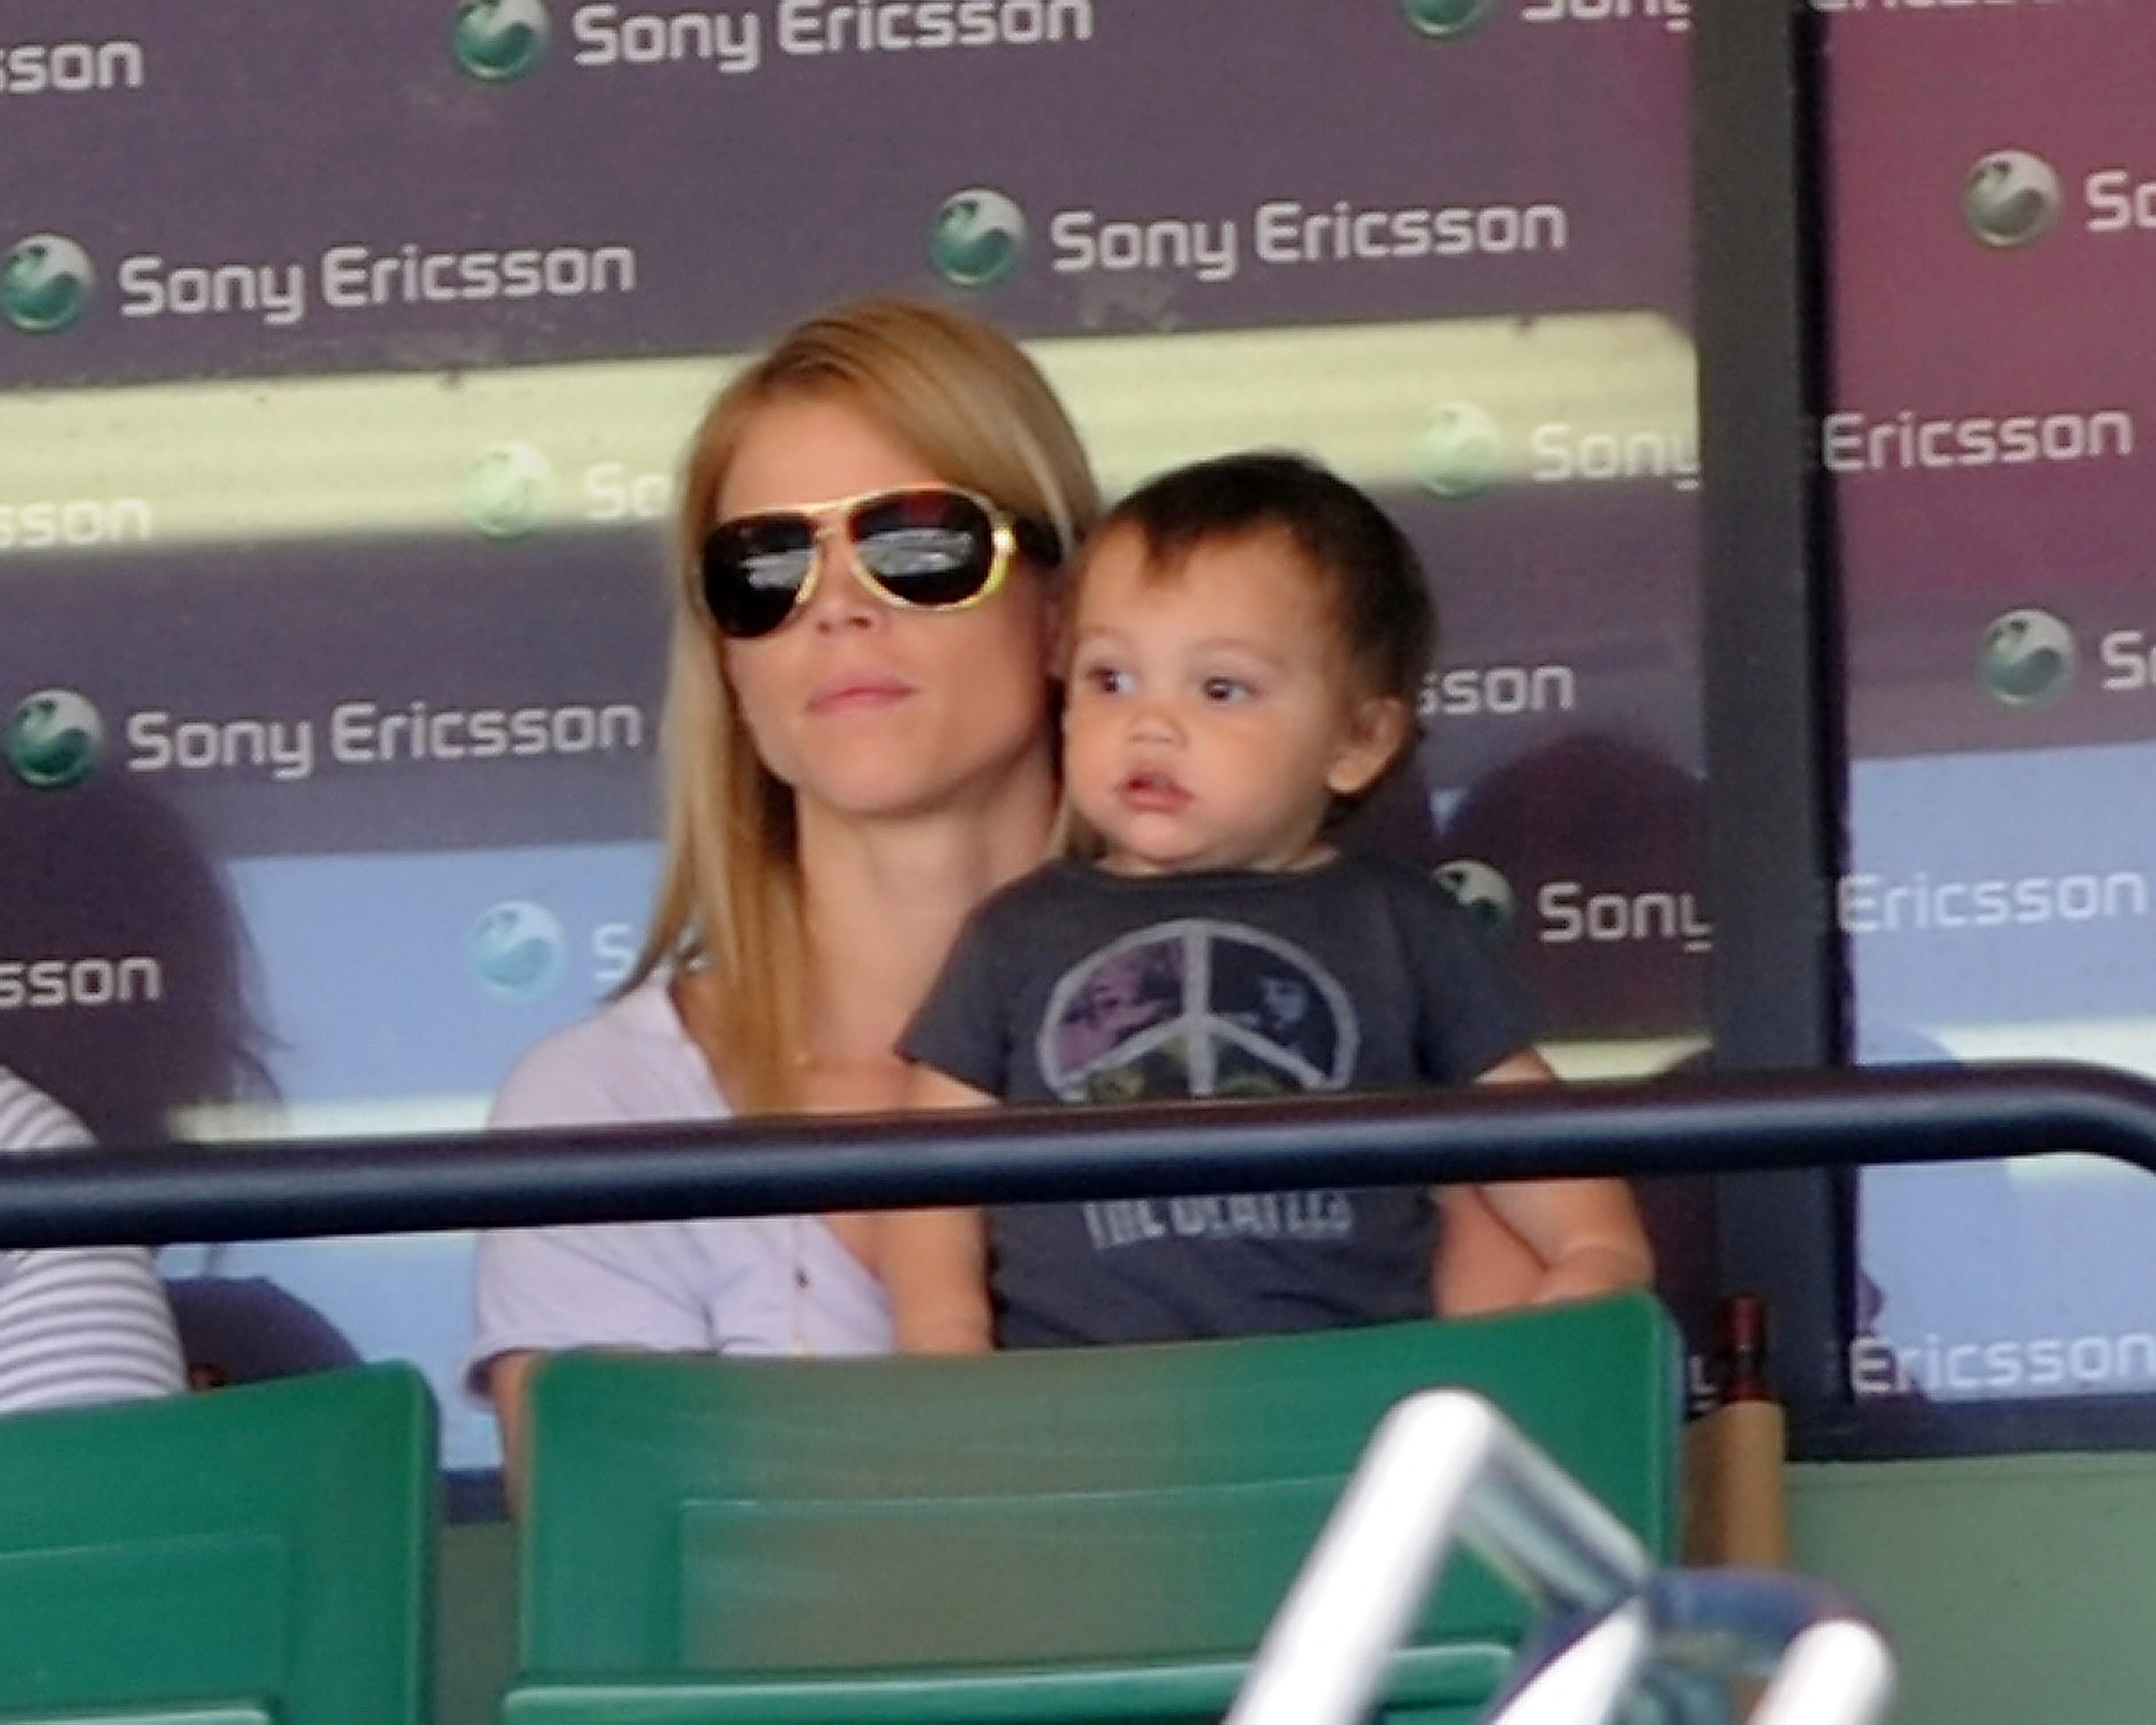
(630,1060)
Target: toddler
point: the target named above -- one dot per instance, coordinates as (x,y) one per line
(1247,639)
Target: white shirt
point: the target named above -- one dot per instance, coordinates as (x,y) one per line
(767,1284)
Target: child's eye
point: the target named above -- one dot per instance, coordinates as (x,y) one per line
(1105,679)
(1227,689)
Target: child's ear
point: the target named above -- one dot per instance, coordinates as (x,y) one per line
(1378,727)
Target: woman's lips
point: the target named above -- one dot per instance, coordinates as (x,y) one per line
(865,692)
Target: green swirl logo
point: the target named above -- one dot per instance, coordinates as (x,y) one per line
(45,283)
(499,41)
(2027,659)
(515,950)
(978,237)
(2010,198)
(1444,19)
(1483,893)
(1460,451)
(508,490)
(53,740)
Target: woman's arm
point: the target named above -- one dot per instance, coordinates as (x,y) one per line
(507,1377)
(934,1263)
(1534,1242)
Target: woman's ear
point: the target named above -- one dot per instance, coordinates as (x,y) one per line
(1056,612)
(1378,727)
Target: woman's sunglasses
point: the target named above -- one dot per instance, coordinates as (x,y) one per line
(919,547)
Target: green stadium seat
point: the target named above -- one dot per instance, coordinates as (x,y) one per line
(1082,1534)
(256,1556)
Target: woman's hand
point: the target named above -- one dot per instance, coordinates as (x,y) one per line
(934,1263)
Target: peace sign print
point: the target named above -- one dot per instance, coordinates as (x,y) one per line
(1196,1007)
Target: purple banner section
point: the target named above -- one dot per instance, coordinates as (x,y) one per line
(513,180)
(1993,243)
(419,693)
(1564,608)
(438,693)
(1992,180)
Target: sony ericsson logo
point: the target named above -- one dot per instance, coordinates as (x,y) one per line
(1445,19)
(46,280)
(1501,691)
(1483,893)
(978,238)
(54,738)
(2011,198)
(514,951)
(2028,657)
(1460,451)
(45,283)
(500,41)
(509,491)
(31,69)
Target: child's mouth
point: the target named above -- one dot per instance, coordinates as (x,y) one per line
(1154,793)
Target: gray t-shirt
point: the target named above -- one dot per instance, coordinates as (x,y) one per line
(1080,986)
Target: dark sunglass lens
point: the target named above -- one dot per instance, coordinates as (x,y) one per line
(926,548)
(753,572)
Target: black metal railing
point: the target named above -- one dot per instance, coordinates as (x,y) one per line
(1689,1124)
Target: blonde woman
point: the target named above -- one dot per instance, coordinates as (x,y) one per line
(876,520)
(858,748)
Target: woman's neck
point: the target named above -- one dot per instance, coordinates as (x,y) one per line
(883,901)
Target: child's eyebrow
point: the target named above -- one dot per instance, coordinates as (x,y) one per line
(1240,645)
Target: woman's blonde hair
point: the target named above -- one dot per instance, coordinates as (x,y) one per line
(964,398)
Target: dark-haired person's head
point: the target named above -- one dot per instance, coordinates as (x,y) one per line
(1372,580)
(1248,637)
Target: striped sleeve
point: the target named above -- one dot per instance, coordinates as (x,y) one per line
(78,1325)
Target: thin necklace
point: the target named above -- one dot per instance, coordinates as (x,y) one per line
(800,1291)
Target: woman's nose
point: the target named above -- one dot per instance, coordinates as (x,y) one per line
(841,598)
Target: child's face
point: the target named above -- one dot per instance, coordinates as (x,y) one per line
(1211,720)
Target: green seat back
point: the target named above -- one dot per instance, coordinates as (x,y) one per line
(260,1552)
(1082,1532)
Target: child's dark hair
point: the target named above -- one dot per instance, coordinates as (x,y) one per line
(1387,623)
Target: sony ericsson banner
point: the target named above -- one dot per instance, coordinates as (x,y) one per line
(480,234)
(1993,169)
(345,362)
(407,695)
(1993,498)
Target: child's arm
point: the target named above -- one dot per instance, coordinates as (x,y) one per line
(1535,1242)
(934,1263)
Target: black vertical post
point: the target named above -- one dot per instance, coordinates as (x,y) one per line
(1773,740)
